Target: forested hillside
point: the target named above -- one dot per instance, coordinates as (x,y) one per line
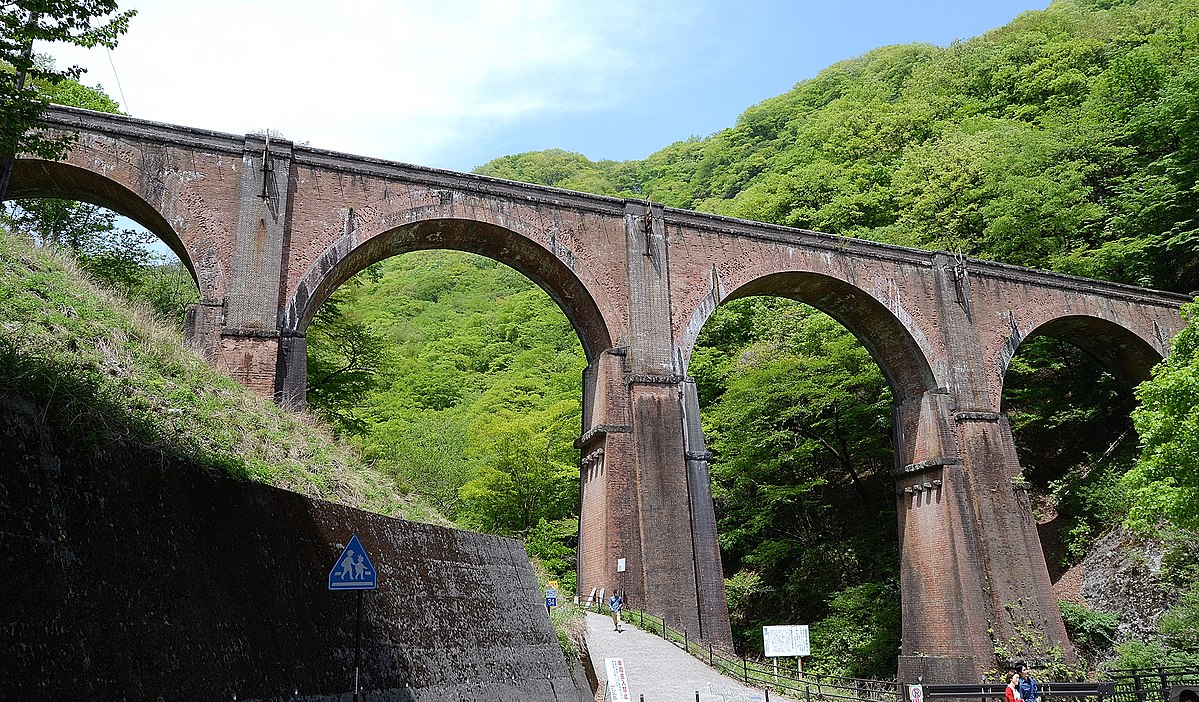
(1065,140)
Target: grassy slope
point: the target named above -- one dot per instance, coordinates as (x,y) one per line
(113,373)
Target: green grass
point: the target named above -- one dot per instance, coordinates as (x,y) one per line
(115,374)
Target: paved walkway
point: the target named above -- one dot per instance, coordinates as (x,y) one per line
(658,670)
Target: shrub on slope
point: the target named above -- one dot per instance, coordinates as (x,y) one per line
(112,373)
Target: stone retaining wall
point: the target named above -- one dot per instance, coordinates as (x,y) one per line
(132,575)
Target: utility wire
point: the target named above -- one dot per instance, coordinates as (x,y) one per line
(120,90)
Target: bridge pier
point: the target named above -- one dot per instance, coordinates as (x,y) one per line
(945,613)
(647,525)
(974,584)
(1025,619)
(238,331)
(650,496)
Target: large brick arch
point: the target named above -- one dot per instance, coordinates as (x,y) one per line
(900,351)
(346,257)
(48,179)
(1124,353)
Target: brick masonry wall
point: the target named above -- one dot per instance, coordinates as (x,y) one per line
(134,575)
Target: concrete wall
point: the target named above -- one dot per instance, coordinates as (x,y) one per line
(127,574)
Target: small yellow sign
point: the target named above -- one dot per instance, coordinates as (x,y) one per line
(553,584)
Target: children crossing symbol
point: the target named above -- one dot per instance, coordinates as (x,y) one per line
(353,569)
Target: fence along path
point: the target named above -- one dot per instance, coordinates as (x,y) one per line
(659,670)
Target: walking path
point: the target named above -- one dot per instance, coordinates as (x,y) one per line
(659,671)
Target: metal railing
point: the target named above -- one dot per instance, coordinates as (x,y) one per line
(784,677)
(1152,684)
(1160,684)
(1142,685)
(1048,691)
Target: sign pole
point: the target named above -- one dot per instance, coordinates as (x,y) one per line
(353,570)
(357,644)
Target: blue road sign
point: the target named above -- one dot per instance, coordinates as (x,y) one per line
(353,569)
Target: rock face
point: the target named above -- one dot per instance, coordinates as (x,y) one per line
(1121,575)
(129,574)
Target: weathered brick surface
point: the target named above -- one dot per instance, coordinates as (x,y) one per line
(250,359)
(133,575)
(638,289)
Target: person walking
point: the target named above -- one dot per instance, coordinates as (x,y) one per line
(1011,693)
(1029,690)
(615,605)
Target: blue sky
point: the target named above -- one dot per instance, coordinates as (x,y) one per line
(455,83)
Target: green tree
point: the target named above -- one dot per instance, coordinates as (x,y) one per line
(521,482)
(474,350)
(1165,482)
(428,452)
(84,23)
(797,414)
(557,168)
(345,359)
(554,543)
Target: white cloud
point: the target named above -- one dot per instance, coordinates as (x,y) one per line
(407,81)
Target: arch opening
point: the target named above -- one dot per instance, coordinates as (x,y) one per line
(1068,397)
(112,250)
(890,343)
(37,179)
(346,258)
(798,375)
(480,403)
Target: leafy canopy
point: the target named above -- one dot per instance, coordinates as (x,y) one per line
(86,23)
(1165,481)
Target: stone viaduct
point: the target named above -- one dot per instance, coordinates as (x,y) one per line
(270,228)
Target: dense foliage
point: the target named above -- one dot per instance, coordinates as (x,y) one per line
(1166,480)
(1070,422)
(798,416)
(461,379)
(22,98)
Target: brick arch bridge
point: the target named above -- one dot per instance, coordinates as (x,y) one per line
(269,229)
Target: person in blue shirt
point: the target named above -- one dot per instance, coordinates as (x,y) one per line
(1029,691)
(615,604)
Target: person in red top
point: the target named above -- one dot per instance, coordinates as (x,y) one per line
(1012,691)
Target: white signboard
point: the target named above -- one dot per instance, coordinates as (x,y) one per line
(916,693)
(789,640)
(618,684)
